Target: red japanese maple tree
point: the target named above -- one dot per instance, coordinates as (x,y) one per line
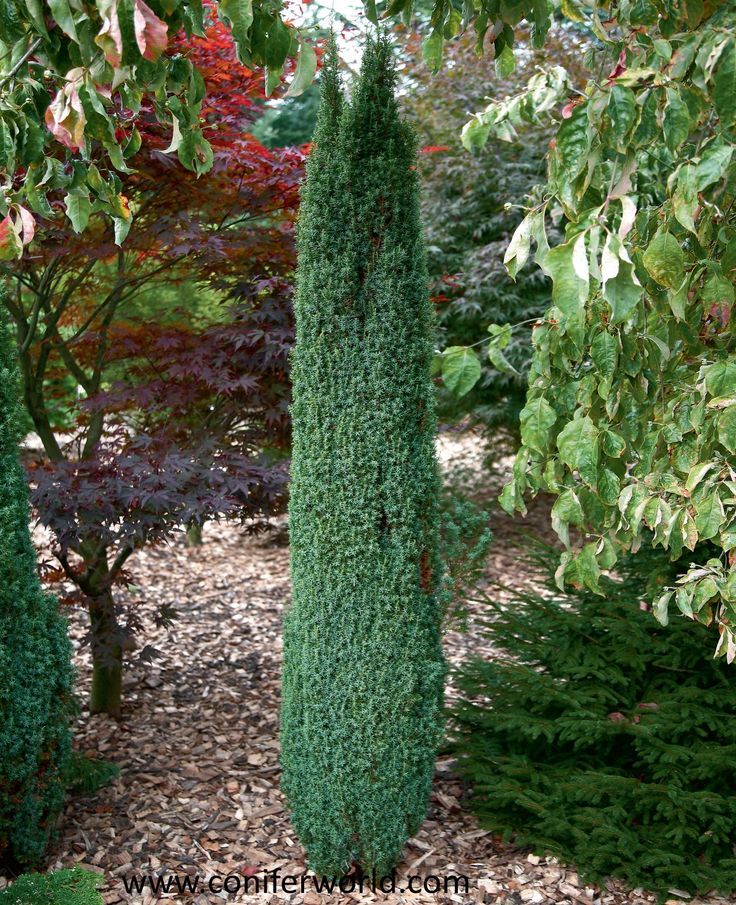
(153,415)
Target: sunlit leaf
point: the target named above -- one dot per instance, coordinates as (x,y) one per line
(460,369)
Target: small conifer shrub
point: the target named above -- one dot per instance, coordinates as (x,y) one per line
(35,659)
(63,887)
(87,775)
(363,666)
(603,738)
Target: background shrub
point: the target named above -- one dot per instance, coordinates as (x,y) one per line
(471,205)
(603,738)
(87,775)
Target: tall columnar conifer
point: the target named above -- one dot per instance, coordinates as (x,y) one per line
(363,673)
(35,658)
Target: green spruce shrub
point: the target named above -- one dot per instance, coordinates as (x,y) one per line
(87,775)
(35,659)
(63,887)
(465,539)
(363,671)
(603,738)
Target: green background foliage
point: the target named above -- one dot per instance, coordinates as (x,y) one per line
(470,208)
(291,122)
(86,775)
(363,669)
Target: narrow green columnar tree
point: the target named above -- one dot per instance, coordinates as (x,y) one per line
(363,671)
(35,658)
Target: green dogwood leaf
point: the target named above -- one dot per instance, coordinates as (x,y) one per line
(460,369)
(665,261)
(537,419)
(578,445)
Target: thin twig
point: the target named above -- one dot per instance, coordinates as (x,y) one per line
(14,71)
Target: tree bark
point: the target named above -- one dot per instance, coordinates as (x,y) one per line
(107,635)
(107,656)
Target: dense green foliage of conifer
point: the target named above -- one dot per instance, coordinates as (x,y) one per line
(63,887)
(603,738)
(363,671)
(35,664)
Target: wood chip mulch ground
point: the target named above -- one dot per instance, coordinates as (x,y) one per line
(198,794)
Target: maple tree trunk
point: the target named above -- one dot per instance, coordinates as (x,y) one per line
(107,636)
(107,657)
(35,403)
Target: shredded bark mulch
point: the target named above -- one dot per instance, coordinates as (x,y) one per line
(198,793)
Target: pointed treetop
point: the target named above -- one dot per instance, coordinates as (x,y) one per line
(331,88)
(374,111)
